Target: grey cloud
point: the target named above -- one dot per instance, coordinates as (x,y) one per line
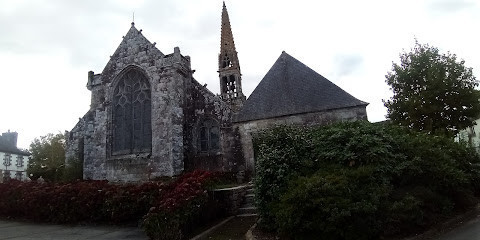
(48,27)
(449,6)
(176,22)
(207,26)
(347,64)
(51,26)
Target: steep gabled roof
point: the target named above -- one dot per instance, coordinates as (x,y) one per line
(290,87)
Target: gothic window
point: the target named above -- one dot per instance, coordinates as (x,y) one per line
(132,129)
(7,160)
(209,136)
(19,161)
(226,62)
(230,85)
(233,85)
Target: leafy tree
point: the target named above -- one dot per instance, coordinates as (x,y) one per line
(432,92)
(48,157)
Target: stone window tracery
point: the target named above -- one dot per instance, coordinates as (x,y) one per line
(209,136)
(226,62)
(132,130)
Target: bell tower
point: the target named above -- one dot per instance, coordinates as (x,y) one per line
(229,66)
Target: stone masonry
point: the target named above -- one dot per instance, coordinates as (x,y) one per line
(149,117)
(178,104)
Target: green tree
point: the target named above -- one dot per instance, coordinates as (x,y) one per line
(48,157)
(432,92)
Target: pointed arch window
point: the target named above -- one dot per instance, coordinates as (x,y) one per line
(229,86)
(132,128)
(209,136)
(226,61)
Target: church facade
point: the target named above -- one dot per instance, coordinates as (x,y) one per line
(149,117)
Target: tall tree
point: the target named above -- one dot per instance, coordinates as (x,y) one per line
(432,92)
(47,159)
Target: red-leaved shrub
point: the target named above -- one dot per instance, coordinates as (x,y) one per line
(181,209)
(102,202)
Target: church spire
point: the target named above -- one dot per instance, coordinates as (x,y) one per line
(229,66)
(226,41)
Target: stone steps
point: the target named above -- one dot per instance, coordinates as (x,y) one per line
(248,208)
(250,198)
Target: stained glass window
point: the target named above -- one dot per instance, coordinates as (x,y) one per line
(132,128)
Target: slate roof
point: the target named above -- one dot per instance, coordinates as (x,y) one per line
(290,87)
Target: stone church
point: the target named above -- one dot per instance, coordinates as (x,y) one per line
(149,117)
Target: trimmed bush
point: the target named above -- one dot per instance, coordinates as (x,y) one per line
(169,210)
(360,180)
(181,210)
(80,201)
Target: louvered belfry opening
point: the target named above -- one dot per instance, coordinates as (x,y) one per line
(132,128)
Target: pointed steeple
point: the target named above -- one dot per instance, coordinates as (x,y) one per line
(229,66)
(227,45)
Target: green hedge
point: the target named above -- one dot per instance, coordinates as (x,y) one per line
(360,180)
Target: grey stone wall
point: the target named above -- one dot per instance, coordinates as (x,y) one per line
(246,129)
(204,104)
(179,105)
(74,146)
(169,76)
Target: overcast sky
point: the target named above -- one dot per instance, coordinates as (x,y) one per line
(47,47)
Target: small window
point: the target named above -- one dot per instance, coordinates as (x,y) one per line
(226,62)
(19,161)
(6,175)
(18,176)
(232,84)
(7,160)
(224,84)
(209,136)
